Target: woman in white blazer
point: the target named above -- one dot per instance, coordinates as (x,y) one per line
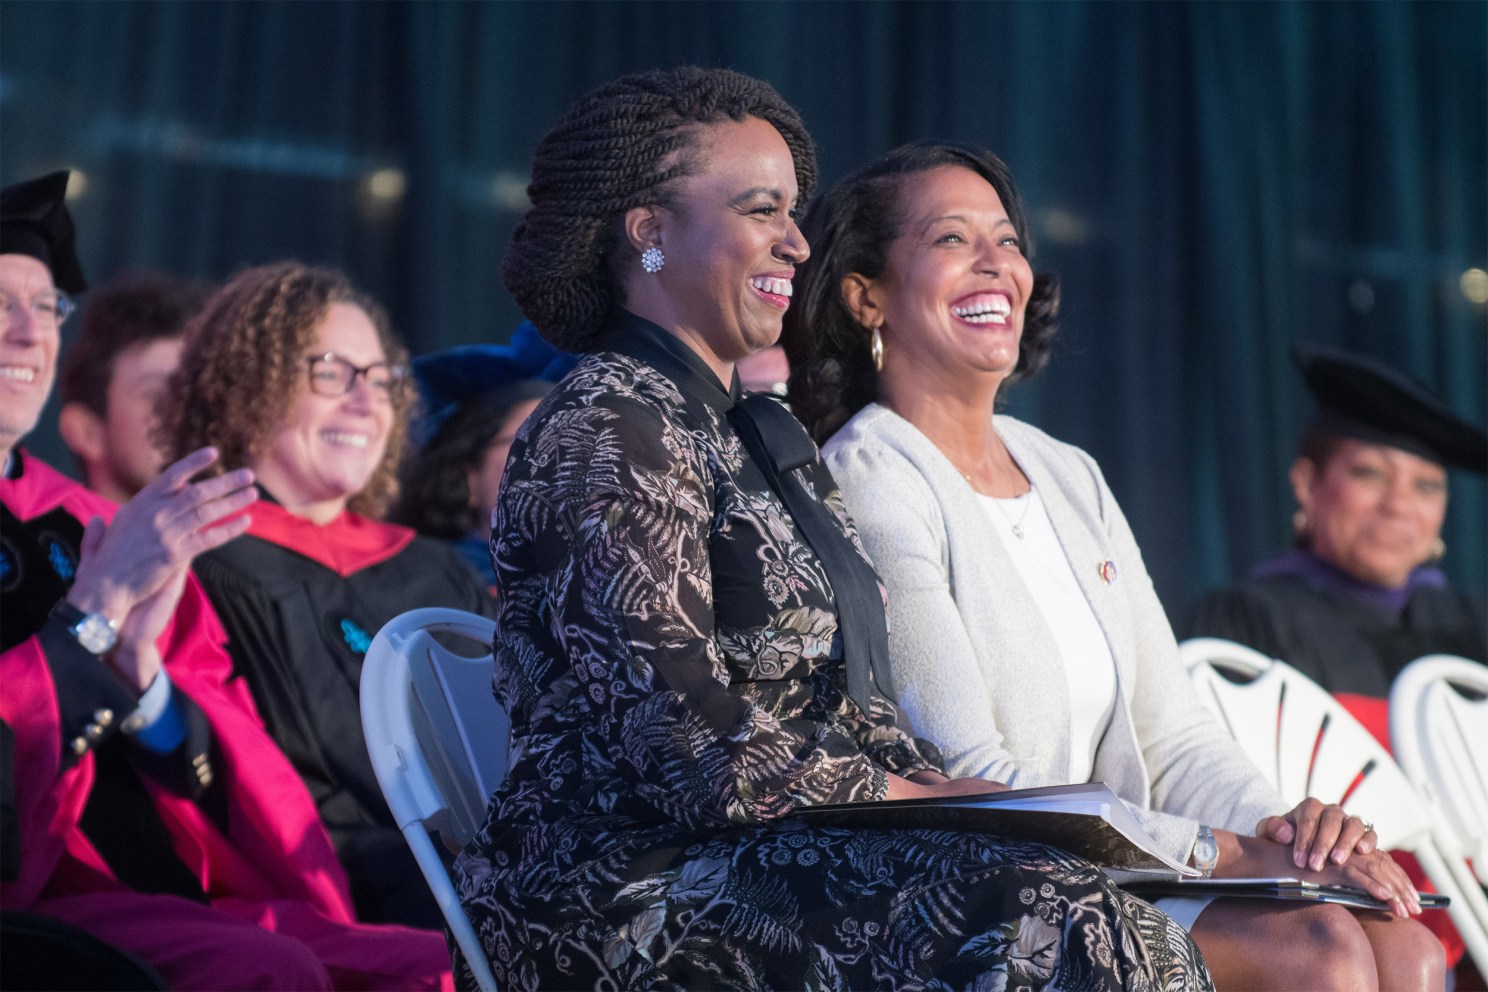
(1026,638)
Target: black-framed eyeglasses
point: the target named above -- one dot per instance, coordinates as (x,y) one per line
(50,306)
(332,375)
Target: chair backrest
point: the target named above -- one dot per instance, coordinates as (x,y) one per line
(1307,744)
(1439,730)
(1303,740)
(438,742)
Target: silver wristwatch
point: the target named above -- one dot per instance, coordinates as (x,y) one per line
(1205,856)
(94,631)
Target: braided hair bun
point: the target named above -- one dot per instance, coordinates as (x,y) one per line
(622,146)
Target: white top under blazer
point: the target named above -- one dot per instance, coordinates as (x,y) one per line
(1089,669)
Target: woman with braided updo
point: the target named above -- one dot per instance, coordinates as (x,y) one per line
(687,622)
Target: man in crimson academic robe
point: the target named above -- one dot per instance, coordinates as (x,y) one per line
(144,803)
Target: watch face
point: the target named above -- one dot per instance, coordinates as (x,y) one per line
(1205,852)
(95,633)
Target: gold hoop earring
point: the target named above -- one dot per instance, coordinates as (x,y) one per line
(876,348)
(1438,550)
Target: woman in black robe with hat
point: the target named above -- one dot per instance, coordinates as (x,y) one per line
(1361,596)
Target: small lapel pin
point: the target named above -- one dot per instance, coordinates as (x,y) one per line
(1107,570)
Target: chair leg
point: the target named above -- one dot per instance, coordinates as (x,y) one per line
(1469,909)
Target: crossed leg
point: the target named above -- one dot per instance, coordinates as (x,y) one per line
(1272,944)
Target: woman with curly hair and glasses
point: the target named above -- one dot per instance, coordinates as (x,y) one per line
(291,372)
(1027,639)
(682,601)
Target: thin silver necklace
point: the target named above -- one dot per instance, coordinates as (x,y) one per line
(1015,525)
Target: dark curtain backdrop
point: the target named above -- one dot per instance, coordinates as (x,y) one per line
(1213,181)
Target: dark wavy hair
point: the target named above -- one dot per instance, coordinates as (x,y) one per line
(624,145)
(244,364)
(435,488)
(138,308)
(850,228)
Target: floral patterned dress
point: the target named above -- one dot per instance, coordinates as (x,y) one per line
(668,651)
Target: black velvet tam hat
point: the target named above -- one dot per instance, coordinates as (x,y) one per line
(34,221)
(1365,399)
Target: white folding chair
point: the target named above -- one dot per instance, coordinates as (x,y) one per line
(438,742)
(1307,744)
(1439,730)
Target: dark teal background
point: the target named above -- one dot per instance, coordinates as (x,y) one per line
(1213,182)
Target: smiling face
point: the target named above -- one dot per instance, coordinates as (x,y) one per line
(1375,511)
(731,245)
(28,348)
(951,299)
(326,448)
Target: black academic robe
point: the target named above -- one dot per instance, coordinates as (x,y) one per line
(301,603)
(1346,646)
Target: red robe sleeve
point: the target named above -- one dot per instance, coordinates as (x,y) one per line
(275,846)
